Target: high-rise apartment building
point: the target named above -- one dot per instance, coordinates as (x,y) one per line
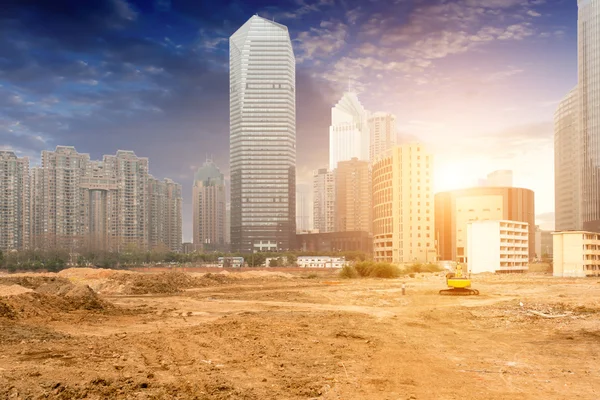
(60,216)
(588,30)
(403,209)
(349,131)
(129,222)
(262,84)
(209,208)
(382,127)
(110,205)
(99,200)
(324,200)
(353,209)
(164,216)
(14,202)
(567,164)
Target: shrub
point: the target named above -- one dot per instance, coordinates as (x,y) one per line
(369,269)
(348,272)
(418,268)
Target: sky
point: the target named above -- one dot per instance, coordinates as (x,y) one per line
(477,81)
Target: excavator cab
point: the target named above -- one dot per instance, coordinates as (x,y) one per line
(458,284)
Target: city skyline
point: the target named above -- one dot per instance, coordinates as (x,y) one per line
(172,80)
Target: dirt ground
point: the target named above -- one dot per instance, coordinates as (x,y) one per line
(99,334)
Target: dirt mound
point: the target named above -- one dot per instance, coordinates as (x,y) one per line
(161,283)
(13,290)
(87,273)
(34,282)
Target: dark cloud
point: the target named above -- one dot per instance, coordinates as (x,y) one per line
(91,74)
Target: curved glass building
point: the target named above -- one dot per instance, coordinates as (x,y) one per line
(262,142)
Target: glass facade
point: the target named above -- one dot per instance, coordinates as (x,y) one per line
(567,164)
(262,137)
(588,29)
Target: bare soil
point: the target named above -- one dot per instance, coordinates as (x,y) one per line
(99,334)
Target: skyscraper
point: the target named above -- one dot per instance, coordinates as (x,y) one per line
(353,208)
(349,131)
(382,127)
(14,201)
(324,200)
(403,209)
(567,164)
(209,208)
(262,82)
(303,209)
(588,30)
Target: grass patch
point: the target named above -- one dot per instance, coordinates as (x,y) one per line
(348,272)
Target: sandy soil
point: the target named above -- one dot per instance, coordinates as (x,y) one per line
(101,334)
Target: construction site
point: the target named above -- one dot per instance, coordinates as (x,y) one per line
(105,334)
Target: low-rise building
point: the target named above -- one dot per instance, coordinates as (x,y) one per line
(576,254)
(497,246)
(321,262)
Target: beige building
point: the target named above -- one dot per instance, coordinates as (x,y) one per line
(209,208)
(324,200)
(576,254)
(403,210)
(382,127)
(353,207)
(14,201)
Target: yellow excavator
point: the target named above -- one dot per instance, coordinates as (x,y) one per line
(458,285)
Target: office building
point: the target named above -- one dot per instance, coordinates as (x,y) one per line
(262,83)
(588,30)
(455,209)
(576,254)
(382,128)
(324,200)
(15,206)
(209,208)
(349,131)
(567,164)
(497,246)
(353,208)
(403,210)
(303,207)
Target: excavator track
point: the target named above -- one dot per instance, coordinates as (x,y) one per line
(459,292)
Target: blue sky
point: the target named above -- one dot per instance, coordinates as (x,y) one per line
(477,80)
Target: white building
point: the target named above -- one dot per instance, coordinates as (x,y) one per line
(576,254)
(349,131)
(321,262)
(382,127)
(497,246)
(324,200)
(262,92)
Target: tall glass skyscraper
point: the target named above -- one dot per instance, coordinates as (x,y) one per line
(588,31)
(349,131)
(262,143)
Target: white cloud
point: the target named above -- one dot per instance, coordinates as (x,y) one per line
(326,40)
(533,13)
